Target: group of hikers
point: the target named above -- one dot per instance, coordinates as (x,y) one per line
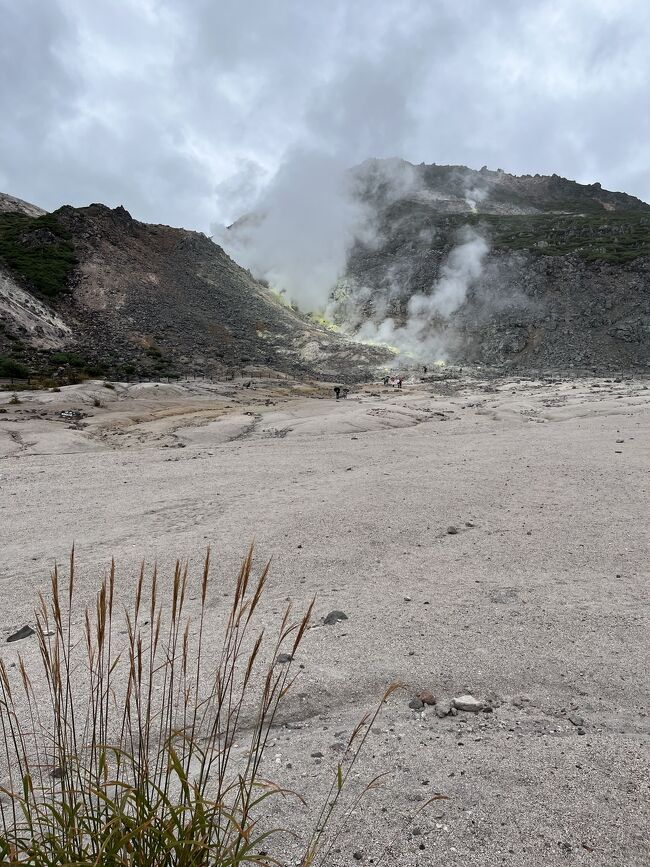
(395,381)
(340,392)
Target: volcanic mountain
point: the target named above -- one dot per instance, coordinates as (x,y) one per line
(95,290)
(530,272)
(560,279)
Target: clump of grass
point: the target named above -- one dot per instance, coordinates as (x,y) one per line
(14,399)
(127,755)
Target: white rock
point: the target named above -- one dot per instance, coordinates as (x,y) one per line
(468,703)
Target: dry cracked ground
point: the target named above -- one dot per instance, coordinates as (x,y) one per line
(482,538)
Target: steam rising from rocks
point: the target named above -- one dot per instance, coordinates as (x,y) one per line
(305,221)
(425,334)
(463,267)
(303,225)
(301,229)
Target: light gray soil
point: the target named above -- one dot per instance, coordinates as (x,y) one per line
(539,603)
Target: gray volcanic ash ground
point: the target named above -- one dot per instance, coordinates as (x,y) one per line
(483,537)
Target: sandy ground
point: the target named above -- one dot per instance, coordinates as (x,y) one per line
(538,603)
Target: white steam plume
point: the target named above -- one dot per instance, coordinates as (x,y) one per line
(474,196)
(462,269)
(301,227)
(298,234)
(426,335)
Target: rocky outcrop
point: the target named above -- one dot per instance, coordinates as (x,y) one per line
(156,301)
(565,281)
(29,318)
(564,312)
(12,205)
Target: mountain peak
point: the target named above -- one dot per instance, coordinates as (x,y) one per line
(460,189)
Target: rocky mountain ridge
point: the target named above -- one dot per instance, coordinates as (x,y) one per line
(93,289)
(565,281)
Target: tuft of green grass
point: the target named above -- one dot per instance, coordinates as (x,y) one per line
(127,755)
(39,251)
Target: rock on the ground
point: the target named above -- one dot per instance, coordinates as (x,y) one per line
(23,632)
(468,703)
(335,617)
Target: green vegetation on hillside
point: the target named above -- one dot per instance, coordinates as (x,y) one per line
(585,228)
(12,369)
(598,237)
(38,251)
(37,368)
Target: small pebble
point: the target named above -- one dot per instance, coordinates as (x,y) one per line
(335,617)
(468,703)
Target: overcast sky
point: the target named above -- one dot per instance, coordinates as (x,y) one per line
(182,110)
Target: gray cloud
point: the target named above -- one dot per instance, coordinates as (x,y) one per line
(184,110)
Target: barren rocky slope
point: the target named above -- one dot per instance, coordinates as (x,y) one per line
(565,282)
(10,204)
(120,297)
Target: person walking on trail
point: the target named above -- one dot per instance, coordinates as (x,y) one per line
(337,391)
(399,382)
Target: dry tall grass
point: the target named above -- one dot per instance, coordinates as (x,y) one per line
(130,759)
